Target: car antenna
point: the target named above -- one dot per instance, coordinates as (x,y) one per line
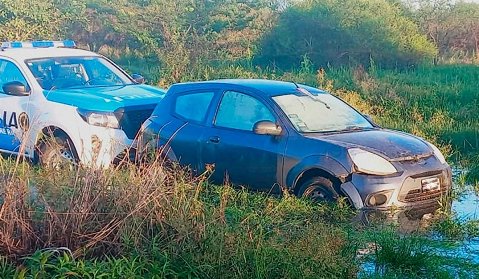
(309,94)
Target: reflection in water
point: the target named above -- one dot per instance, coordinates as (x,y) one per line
(466,208)
(406,220)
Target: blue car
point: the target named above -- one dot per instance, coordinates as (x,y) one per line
(271,135)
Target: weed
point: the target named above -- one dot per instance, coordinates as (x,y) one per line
(455,228)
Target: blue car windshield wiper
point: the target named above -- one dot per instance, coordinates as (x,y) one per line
(353,128)
(310,95)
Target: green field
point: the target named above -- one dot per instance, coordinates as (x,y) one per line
(144,223)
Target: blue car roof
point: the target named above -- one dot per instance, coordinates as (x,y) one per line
(268,88)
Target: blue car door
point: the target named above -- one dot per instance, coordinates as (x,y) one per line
(239,155)
(14,120)
(183,134)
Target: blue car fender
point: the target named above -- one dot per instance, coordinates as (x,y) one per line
(329,165)
(317,162)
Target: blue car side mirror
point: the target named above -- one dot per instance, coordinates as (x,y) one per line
(267,128)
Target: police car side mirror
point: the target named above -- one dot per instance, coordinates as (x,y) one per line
(138,78)
(15,88)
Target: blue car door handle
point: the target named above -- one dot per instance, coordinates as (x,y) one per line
(215,139)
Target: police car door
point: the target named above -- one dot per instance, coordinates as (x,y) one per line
(14,98)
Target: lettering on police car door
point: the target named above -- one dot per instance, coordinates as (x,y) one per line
(8,120)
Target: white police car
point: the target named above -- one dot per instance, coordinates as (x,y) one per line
(52,92)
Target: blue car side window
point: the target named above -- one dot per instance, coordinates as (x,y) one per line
(241,111)
(194,106)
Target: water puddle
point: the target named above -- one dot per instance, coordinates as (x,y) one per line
(464,210)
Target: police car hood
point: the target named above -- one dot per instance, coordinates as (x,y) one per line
(108,98)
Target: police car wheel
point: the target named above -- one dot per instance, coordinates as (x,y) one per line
(57,153)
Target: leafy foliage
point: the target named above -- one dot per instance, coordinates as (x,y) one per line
(183,33)
(28,20)
(338,32)
(453,27)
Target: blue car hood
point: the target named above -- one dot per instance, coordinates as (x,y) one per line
(391,144)
(107,99)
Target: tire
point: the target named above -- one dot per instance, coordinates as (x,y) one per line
(57,153)
(318,189)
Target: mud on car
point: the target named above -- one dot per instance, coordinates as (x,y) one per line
(262,134)
(60,104)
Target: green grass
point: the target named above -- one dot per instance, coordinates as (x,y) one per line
(440,103)
(140,218)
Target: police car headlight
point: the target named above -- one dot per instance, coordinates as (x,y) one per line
(367,162)
(101,119)
(437,153)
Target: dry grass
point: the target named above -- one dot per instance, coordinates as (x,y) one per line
(90,210)
(153,211)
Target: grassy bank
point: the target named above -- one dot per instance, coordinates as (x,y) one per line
(142,222)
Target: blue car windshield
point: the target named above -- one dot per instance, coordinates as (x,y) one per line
(320,113)
(76,72)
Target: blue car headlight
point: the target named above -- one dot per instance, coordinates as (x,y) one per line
(370,163)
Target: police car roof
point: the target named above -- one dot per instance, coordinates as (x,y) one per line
(20,54)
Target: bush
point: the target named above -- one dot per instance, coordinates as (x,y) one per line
(337,32)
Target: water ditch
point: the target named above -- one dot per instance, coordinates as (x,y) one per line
(464,210)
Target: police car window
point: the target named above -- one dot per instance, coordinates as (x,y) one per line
(10,72)
(194,106)
(240,111)
(76,72)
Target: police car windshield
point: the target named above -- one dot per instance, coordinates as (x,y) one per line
(76,72)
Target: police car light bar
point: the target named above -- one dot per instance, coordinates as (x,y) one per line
(38,44)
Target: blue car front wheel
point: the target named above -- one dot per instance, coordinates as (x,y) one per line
(318,189)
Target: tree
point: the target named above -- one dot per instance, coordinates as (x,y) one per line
(24,20)
(236,26)
(183,33)
(452,26)
(465,28)
(97,25)
(340,31)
